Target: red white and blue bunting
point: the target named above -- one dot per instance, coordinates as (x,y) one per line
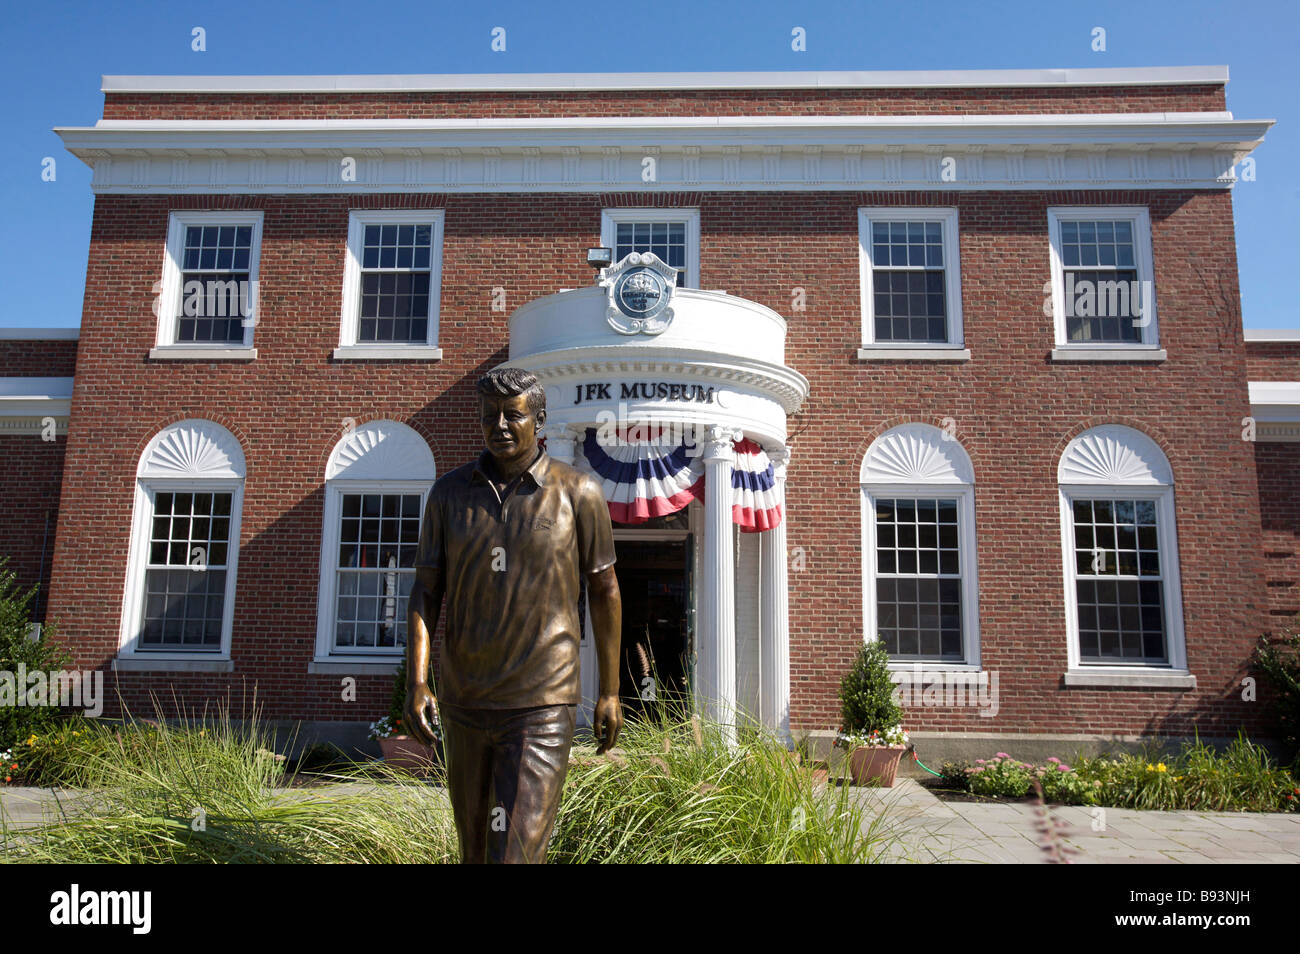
(642,478)
(755,504)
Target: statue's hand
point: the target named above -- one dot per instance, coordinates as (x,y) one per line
(607,722)
(421,713)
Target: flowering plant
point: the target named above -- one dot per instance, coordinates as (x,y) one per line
(390,726)
(891,737)
(7,765)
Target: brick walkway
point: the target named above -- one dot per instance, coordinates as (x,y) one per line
(932,830)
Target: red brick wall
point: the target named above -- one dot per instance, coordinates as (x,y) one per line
(38,357)
(759,102)
(33,470)
(1014,409)
(1278,465)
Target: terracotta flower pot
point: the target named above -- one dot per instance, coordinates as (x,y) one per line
(402,751)
(875,765)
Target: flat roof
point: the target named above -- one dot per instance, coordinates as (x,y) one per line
(769,79)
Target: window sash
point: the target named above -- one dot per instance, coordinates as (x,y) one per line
(911,285)
(1120,601)
(186,571)
(919,603)
(374,559)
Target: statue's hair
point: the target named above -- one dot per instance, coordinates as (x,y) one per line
(508,382)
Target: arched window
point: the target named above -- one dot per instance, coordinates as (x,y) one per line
(918,547)
(376,482)
(1122,593)
(180,586)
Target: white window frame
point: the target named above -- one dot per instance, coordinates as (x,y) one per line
(941,482)
(952,349)
(328,589)
(1149,479)
(148,485)
(350,322)
(170,287)
(1143,263)
(610,219)
(361,462)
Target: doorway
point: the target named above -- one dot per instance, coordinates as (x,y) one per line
(653,567)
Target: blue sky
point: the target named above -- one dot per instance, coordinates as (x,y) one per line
(53,54)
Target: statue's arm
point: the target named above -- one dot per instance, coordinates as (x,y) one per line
(421,622)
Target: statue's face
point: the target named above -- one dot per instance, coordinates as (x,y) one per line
(509,427)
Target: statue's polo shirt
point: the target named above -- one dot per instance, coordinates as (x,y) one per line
(512,571)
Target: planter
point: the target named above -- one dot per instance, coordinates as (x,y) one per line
(402,751)
(875,765)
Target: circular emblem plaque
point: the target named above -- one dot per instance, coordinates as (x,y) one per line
(640,291)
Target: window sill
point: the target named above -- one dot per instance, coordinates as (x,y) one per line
(1109,354)
(362,666)
(183,353)
(1129,679)
(914,354)
(920,673)
(146,664)
(387,353)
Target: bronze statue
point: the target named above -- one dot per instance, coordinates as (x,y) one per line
(507,540)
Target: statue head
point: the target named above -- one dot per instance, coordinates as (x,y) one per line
(512,410)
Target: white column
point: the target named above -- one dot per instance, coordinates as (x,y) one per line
(560,443)
(774,615)
(715,669)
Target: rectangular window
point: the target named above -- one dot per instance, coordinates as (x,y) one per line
(918,578)
(378,535)
(673,235)
(215,283)
(1103,291)
(208,296)
(911,282)
(395,264)
(391,283)
(185,576)
(1118,581)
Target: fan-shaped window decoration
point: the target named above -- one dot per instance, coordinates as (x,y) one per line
(1122,592)
(377,480)
(640,476)
(180,587)
(919,560)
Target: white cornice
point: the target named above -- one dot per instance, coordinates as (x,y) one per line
(39,334)
(585,154)
(768,79)
(1273,335)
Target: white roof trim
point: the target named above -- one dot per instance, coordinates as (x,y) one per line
(1272,334)
(1275,394)
(770,79)
(35,389)
(39,334)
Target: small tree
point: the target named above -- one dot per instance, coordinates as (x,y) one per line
(18,722)
(867,701)
(1278,660)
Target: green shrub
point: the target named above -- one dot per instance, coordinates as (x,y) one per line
(955,775)
(867,693)
(19,722)
(1278,660)
(1242,778)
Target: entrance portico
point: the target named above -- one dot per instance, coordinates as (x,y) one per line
(691,391)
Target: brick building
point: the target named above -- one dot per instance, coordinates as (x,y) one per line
(963,348)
